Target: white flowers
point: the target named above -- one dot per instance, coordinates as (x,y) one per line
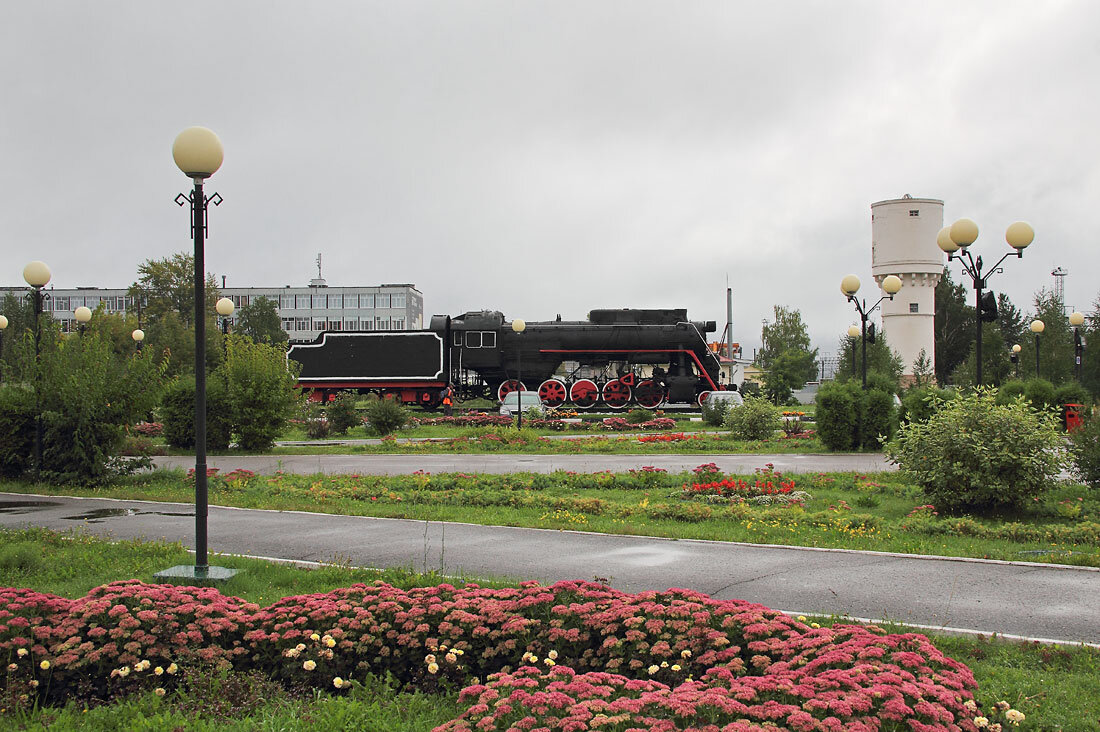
(1014,717)
(340,683)
(309,665)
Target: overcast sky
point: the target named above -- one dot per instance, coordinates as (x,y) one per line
(552,157)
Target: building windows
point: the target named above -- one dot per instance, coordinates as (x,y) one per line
(288,324)
(286,302)
(382,300)
(914,212)
(239,301)
(301,324)
(335,301)
(398,324)
(301,302)
(914,307)
(366,300)
(318,324)
(60,303)
(397,300)
(351,323)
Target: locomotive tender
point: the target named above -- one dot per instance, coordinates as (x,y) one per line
(619,357)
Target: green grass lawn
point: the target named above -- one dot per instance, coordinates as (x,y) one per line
(1058,688)
(879,512)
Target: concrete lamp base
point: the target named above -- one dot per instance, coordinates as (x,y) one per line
(186,574)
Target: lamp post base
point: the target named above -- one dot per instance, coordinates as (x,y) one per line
(187,574)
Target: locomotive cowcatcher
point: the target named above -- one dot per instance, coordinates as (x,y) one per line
(615,358)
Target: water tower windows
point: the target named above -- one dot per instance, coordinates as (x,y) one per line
(914,307)
(914,212)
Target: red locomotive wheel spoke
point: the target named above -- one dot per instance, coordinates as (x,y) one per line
(508,387)
(649,394)
(584,393)
(553,393)
(616,394)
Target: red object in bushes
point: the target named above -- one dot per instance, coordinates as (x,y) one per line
(1073,416)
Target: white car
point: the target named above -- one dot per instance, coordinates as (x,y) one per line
(513,401)
(725,399)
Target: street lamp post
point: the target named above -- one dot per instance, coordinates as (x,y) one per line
(3,326)
(198,152)
(853,333)
(37,275)
(518,326)
(1077,319)
(961,235)
(82,315)
(1014,357)
(225,308)
(849,286)
(138,335)
(1037,328)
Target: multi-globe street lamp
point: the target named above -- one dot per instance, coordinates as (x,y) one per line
(959,236)
(198,152)
(37,275)
(849,286)
(518,326)
(82,315)
(1014,357)
(1037,327)
(1077,319)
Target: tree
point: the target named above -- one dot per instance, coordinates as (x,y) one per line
(1010,320)
(261,390)
(953,327)
(787,373)
(1090,364)
(168,285)
(1055,342)
(996,365)
(922,370)
(259,320)
(881,359)
(788,332)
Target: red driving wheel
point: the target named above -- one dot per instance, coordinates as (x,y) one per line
(553,393)
(616,394)
(584,393)
(508,387)
(649,394)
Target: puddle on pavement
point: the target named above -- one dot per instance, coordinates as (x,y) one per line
(96,516)
(25,506)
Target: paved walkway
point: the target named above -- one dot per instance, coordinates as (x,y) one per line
(1030,600)
(403,464)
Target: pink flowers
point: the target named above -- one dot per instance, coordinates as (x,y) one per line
(575,655)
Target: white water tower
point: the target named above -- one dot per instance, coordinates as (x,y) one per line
(903,243)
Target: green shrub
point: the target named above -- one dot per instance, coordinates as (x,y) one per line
(837,414)
(341,413)
(1072,393)
(1040,393)
(317,425)
(756,419)
(973,453)
(262,396)
(714,412)
(17,429)
(386,416)
(177,413)
(750,388)
(1010,390)
(879,418)
(1084,448)
(22,557)
(917,404)
(637,416)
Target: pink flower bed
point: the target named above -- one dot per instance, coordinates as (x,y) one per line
(572,656)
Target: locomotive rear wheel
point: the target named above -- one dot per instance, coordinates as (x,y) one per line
(649,394)
(553,393)
(584,393)
(508,387)
(616,394)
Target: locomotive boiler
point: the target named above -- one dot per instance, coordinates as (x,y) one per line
(615,358)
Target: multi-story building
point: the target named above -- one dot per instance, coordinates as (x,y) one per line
(304,311)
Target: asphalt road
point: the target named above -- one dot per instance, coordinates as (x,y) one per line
(404,464)
(1029,600)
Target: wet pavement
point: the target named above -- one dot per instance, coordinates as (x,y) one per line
(1016,599)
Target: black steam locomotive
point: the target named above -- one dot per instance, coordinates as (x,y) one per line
(615,358)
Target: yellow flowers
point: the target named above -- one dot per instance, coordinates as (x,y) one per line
(315,637)
(329,641)
(653,669)
(142,665)
(158,691)
(433,668)
(1014,717)
(340,683)
(21,652)
(172,668)
(44,665)
(309,665)
(685,653)
(159,670)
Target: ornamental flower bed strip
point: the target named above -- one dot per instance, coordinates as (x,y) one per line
(574,655)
